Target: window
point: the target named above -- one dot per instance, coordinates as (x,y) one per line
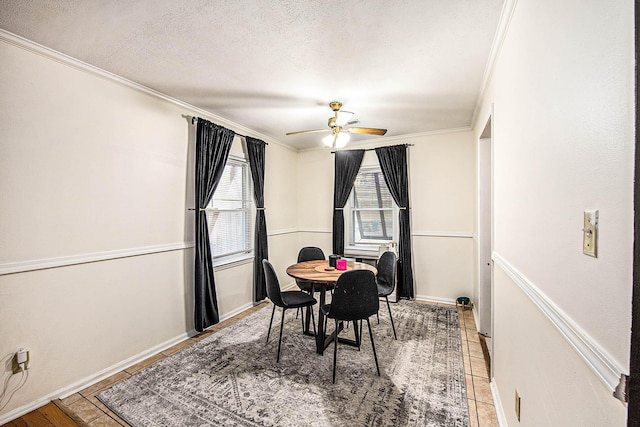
(372,211)
(229,214)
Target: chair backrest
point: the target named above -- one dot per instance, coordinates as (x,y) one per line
(273,285)
(355,296)
(310,253)
(387,271)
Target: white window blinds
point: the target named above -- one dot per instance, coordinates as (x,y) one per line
(371,209)
(229,212)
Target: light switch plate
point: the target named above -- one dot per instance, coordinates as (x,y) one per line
(590,233)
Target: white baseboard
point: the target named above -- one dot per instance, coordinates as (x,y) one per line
(92,379)
(436,300)
(18,412)
(232,313)
(108,372)
(502,419)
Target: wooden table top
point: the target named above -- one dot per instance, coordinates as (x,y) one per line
(313,271)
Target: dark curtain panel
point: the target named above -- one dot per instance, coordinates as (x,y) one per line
(347,165)
(213,144)
(256,151)
(393,162)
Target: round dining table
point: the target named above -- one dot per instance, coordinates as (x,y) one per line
(323,278)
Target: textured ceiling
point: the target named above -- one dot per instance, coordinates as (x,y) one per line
(273,66)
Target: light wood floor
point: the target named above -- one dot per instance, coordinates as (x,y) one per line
(83,408)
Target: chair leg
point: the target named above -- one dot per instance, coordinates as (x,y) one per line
(325,324)
(378,317)
(391,317)
(373,346)
(298,309)
(311,307)
(360,333)
(356,334)
(280,340)
(335,353)
(313,321)
(271,321)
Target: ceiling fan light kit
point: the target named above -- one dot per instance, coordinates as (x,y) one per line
(339,136)
(337,140)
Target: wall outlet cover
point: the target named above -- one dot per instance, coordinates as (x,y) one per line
(15,367)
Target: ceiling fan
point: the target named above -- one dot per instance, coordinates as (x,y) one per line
(339,135)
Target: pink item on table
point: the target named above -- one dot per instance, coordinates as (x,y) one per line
(341,264)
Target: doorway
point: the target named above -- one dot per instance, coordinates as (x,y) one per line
(633,384)
(485,236)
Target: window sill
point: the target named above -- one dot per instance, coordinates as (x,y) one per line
(232,262)
(367,251)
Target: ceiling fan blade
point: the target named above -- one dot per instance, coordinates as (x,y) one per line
(368,131)
(308,131)
(343,117)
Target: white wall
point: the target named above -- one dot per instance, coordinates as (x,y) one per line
(96,262)
(563,134)
(442,185)
(92,169)
(281,202)
(441,169)
(89,169)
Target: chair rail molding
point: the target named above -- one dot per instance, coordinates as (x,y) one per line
(439,233)
(54,262)
(607,369)
(297,230)
(44,263)
(315,230)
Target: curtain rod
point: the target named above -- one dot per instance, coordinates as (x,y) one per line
(194,119)
(372,149)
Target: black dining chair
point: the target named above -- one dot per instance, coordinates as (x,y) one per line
(355,298)
(285,300)
(386,281)
(308,253)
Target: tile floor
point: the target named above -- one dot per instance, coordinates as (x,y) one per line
(86,410)
(482,411)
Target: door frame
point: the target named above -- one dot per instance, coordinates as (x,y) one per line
(633,384)
(485,229)
(485,238)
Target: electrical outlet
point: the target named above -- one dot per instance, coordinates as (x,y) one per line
(20,357)
(590,233)
(517,405)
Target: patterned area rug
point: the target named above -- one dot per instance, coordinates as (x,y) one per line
(231,378)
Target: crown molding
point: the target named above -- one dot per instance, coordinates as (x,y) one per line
(383,141)
(498,40)
(31,46)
